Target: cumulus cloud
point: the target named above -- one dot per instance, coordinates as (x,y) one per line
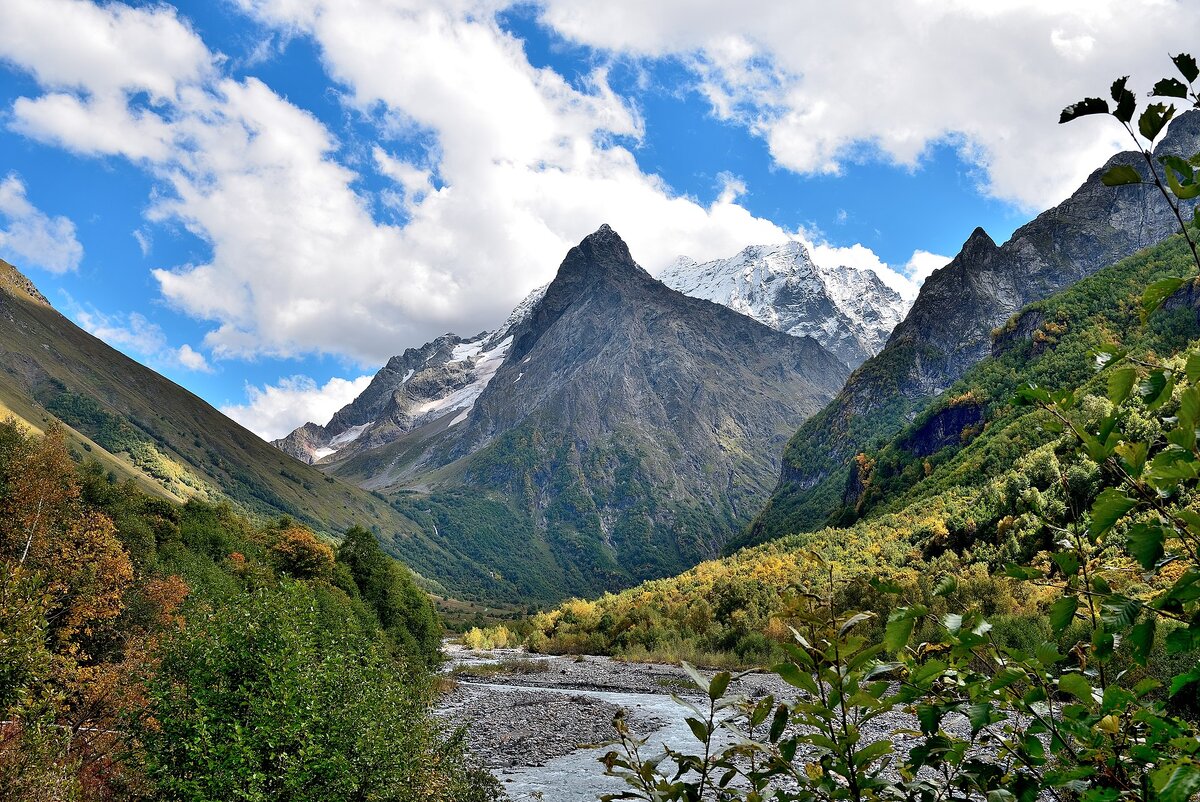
(29,237)
(192,359)
(921,264)
(137,336)
(274,410)
(826,83)
(519,163)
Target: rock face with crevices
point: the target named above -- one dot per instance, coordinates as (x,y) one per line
(624,430)
(849,311)
(950,325)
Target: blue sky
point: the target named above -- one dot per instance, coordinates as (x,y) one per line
(264,199)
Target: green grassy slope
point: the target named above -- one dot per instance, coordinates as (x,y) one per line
(143,426)
(947,495)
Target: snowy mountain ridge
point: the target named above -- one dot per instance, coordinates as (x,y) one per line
(436,383)
(849,311)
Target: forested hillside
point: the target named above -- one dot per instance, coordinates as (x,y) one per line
(153,650)
(974,484)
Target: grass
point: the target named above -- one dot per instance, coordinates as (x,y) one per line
(509,665)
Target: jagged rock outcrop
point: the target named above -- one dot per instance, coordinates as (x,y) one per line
(626,432)
(850,312)
(949,326)
(437,382)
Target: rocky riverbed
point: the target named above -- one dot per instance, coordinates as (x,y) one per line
(543,723)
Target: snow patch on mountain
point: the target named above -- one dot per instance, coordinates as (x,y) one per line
(849,311)
(422,385)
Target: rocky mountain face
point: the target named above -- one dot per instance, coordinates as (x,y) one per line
(951,323)
(850,312)
(419,387)
(626,430)
(142,427)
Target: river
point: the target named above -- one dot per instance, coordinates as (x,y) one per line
(542,729)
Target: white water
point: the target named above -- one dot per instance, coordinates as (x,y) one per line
(579,776)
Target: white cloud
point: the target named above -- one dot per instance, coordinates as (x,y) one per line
(29,237)
(520,164)
(921,264)
(826,83)
(144,240)
(137,336)
(525,166)
(105,50)
(274,410)
(111,71)
(192,359)
(132,332)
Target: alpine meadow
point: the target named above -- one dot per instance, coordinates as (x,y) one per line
(429,401)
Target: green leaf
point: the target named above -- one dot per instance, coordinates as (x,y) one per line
(1141,639)
(1158,292)
(1110,507)
(899,628)
(948,585)
(980,715)
(1185,590)
(1021,572)
(1031,395)
(853,621)
(695,675)
(1181,177)
(1047,654)
(778,723)
(1182,640)
(1145,543)
(1076,685)
(1170,87)
(1120,176)
(1067,562)
(1189,407)
(699,729)
(1190,519)
(1062,613)
(1090,105)
(1171,466)
(1181,167)
(929,716)
(1134,454)
(1177,782)
(872,752)
(1181,681)
(1120,385)
(719,683)
(1193,364)
(1186,66)
(1156,389)
(1126,103)
(794,676)
(1154,118)
(886,585)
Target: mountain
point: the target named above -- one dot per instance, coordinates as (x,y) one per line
(950,327)
(850,312)
(422,385)
(143,427)
(625,432)
(945,501)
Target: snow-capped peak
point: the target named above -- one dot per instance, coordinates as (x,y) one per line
(849,311)
(421,386)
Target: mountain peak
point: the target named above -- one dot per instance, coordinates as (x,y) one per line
(848,311)
(14,282)
(602,250)
(979,243)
